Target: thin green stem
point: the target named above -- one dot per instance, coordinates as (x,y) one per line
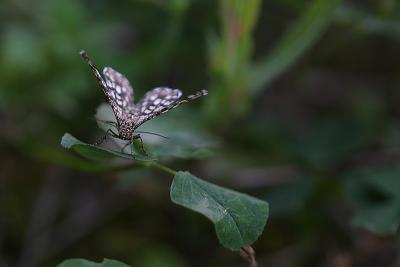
(144,164)
(162,168)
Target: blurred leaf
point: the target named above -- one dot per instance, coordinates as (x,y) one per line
(294,43)
(160,256)
(288,199)
(105,113)
(367,23)
(239,219)
(331,140)
(86,263)
(382,219)
(21,53)
(176,7)
(376,195)
(94,152)
(131,178)
(230,52)
(229,57)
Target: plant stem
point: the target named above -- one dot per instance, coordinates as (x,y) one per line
(162,168)
(248,253)
(139,164)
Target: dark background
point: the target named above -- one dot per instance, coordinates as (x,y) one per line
(310,124)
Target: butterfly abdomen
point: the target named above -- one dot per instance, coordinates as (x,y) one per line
(125,130)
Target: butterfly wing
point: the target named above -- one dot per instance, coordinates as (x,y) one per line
(154,102)
(119,93)
(118,88)
(120,96)
(158,101)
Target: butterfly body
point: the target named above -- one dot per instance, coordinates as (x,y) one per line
(125,130)
(120,95)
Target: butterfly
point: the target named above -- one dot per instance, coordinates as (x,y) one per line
(130,116)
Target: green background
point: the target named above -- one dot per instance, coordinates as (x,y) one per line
(303,111)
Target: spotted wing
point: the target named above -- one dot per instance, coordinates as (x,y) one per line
(158,101)
(116,87)
(119,89)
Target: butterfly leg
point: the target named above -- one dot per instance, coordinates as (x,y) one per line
(137,136)
(109,132)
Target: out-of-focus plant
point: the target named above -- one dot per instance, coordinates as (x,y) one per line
(385,24)
(298,39)
(235,78)
(311,154)
(229,57)
(376,198)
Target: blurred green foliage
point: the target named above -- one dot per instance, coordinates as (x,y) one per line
(229,57)
(303,107)
(86,263)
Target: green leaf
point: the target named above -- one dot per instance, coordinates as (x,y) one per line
(294,43)
(382,219)
(367,22)
(377,199)
(330,141)
(94,152)
(160,256)
(185,139)
(239,219)
(86,263)
(290,198)
(56,156)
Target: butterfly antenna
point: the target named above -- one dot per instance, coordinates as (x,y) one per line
(85,56)
(186,100)
(144,132)
(96,72)
(113,123)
